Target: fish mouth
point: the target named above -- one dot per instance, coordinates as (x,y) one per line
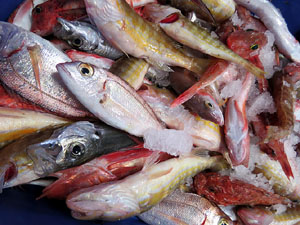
(62,70)
(7,174)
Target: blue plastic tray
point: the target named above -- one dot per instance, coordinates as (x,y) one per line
(18,205)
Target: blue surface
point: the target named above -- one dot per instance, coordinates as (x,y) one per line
(18,205)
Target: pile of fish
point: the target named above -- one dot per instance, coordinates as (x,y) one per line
(178,111)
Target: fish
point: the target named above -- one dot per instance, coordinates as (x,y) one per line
(28,67)
(187,33)
(205,134)
(133,35)
(85,37)
(132,70)
(44,16)
(273,20)
(109,98)
(139,192)
(264,216)
(16,123)
(75,144)
(202,103)
(185,208)
(236,125)
(158,77)
(223,190)
(109,167)
(139,3)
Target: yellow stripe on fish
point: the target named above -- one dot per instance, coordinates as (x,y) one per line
(220,9)
(213,126)
(288,216)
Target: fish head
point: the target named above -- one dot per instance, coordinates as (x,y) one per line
(255,216)
(67,147)
(79,35)
(109,201)
(11,39)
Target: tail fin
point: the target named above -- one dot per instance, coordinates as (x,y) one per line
(199,65)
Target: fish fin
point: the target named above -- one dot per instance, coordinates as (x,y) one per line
(35,57)
(199,152)
(42,182)
(199,65)
(160,65)
(160,173)
(205,11)
(151,160)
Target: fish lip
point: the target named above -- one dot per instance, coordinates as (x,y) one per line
(62,70)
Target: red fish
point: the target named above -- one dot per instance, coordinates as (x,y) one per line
(106,168)
(44,16)
(223,190)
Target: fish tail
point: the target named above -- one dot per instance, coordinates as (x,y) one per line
(199,65)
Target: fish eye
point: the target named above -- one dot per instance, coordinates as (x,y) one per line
(208,104)
(77,42)
(223,222)
(86,70)
(77,149)
(38,9)
(254,47)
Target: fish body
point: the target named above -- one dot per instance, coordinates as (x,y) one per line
(236,125)
(44,16)
(133,35)
(205,134)
(273,20)
(28,67)
(139,3)
(221,10)
(85,37)
(113,166)
(138,192)
(184,208)
(109,98)
(188,33)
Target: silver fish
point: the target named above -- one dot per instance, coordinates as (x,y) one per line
(85,37)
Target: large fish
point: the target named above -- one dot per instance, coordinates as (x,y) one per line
(139,192)
(109,97)
(28,66)
(130,33)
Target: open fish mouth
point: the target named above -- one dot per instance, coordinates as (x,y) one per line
(8,173)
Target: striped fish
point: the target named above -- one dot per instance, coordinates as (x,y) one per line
(139,192)
(220,9)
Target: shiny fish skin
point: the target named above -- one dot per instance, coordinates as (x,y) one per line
(35,81)
(138,192)
(109,98)
(85,37)
(184,208)
(130,33)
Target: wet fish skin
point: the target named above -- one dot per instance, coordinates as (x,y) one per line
(184,208)
(109,98)
(85,37)
(28,67)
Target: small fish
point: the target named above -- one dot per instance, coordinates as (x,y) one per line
(139,192)
(44,16)
(133,35)
(139,3)
(202,103)
(85,37)
(28,67)
(236,125)
(205,134)
(75,144)
(109,98)
(15,123)
(264,216)
(185,208)
(187,33)
(131,69)
(223,190)
(113,166)
(273,20)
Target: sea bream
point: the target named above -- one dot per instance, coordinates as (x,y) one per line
(28,67)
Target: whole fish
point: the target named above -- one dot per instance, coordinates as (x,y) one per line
(109,98)
(139,192)
(28,67)
(44,16)
(132,70)
(236,125)
(133,35)
(186,32)
(16,123)
(185,208)
(75,144)
(273,20)
(85,37)
(264,216)
(202,103)
(225,191)
(205,134)
(113,166)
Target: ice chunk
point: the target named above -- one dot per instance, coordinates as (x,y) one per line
(174,142)
(279,208)
(262,103)
(236,20)
(231,88)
